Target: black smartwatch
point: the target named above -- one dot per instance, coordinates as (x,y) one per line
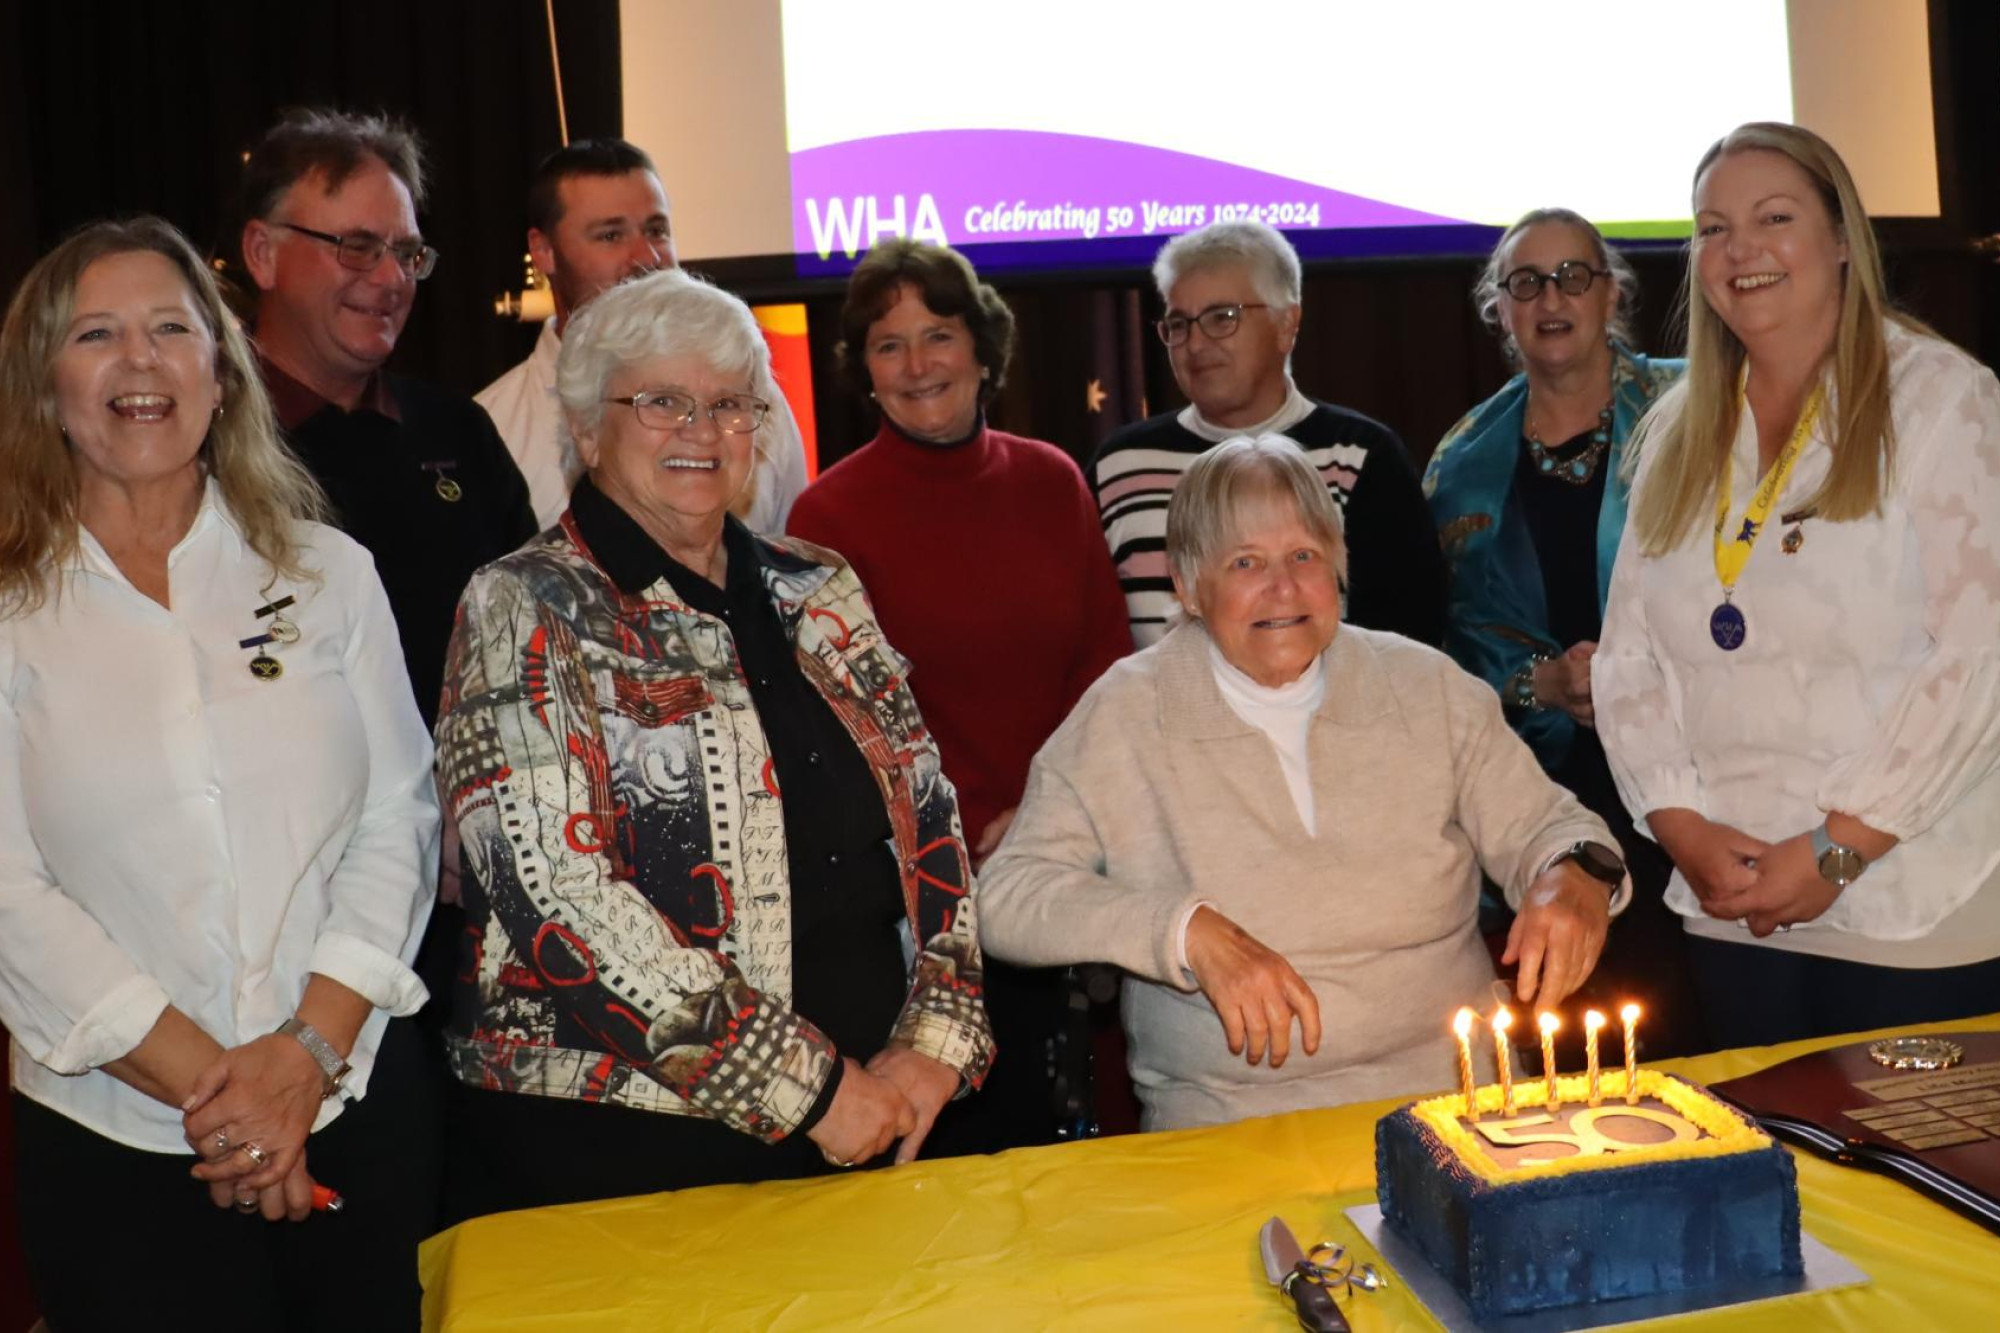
(1597,861)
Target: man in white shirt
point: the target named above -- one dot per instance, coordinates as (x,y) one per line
(597,215)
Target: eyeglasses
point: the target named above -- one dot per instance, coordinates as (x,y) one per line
(1218,322)
(363,250)
(1572,278)
(737,414)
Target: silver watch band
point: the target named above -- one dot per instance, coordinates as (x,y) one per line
(331,1066)
(1839,864)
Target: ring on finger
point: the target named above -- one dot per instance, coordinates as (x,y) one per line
(221,1142)
(254,1153)
(246,1203)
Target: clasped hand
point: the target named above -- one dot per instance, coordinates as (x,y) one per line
(897,1096)
(1737,877)
(1784,889)
(1564,682)
(264,1093)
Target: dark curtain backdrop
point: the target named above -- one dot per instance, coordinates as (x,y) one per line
(124,106)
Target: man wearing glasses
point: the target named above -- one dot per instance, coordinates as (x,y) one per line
(1232,293)
(598,215)
(416,475)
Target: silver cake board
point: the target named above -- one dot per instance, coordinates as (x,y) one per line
(1824,1270)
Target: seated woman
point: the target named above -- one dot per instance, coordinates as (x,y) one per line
(1003,635)
(1528,492)
(701,810)
(217,828)
(1799,684)
(1264,774)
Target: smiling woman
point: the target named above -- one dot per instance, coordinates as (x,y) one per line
(1810,725)
(135,391)
(982,552)
(175,812)
(701,810)
(1266,774)
(1529,492)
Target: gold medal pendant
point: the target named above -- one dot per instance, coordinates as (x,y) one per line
(266,667)
(448,490)
(1794,539)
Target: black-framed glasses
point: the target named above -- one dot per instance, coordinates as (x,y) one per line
(1218,322)
(1572,277)
(736,413)
(363,250)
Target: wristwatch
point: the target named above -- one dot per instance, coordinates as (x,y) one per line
(1597,861)
(1520,691)
(331,1066)
(1839,864)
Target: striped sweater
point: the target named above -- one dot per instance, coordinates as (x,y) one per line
(1395,569)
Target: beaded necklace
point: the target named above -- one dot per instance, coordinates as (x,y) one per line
(1580,467)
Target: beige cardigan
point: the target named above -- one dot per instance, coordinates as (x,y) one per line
(1154,795)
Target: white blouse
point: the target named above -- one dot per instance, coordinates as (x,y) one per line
(175,830)
(1869,678)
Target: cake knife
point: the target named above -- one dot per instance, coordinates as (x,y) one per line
(1285,1265)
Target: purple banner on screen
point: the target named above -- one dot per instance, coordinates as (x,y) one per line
(972,187)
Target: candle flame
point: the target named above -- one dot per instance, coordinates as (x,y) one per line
(1502,1020)
(1629,1013)
(1592,1020)
(1549,1022)
(1461,1022)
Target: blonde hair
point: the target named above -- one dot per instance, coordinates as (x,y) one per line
(1689,436)
(1221,488)
(267,490)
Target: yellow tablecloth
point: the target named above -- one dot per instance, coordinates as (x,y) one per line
(1153,1231)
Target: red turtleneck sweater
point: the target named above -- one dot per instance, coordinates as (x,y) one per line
(987,566)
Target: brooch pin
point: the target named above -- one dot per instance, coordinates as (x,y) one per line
(280,631)
(1795,536)
(263,666)
(447,489)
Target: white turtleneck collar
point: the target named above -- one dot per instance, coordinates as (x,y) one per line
(1296,408)
(1284,713)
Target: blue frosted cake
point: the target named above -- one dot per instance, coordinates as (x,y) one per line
(1529,1211)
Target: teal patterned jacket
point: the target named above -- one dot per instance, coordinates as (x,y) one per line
(1497,616)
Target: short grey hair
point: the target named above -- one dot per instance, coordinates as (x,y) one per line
(1487,293)
(665,314)
(1272,262)
(1212,498)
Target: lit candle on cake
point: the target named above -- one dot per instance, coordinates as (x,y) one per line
(1549,1023)
(1592,1020)
(1502,1020)
(1461,1025)
(1630,1013)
